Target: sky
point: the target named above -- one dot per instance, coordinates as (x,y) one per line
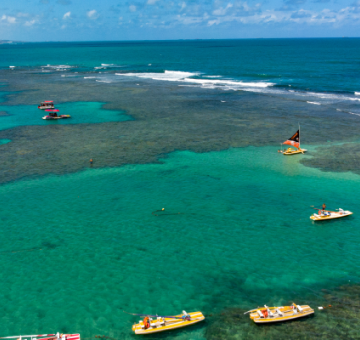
(89,20)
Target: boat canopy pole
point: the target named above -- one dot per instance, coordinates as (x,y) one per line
(26,336)
(155,316)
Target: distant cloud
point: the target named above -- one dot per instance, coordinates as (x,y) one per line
(31,22)
(10,20)
(183,5)
(93,14)
(221,10)
(66,15)
(152,2)
(22,15)
(132,8)
(293,3)
(300,14)
(114,9)
(64,2)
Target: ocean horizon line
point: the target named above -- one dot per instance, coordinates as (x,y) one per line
(10,41)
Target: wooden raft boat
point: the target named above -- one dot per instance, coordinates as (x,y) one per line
(57,117)
(280,314)
(166,323)
(291,151)
(56,336)
(330,215)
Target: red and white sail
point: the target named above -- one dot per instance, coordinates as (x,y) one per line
(294,140)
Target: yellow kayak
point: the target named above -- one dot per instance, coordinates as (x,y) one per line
(330,215)
(280,314)
(291,151)
(161,324)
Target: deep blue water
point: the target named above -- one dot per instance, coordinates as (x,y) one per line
(314,64)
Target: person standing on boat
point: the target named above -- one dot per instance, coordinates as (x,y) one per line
(323,207)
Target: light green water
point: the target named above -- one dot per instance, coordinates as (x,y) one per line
(80,112)
(4,141)
(86,245)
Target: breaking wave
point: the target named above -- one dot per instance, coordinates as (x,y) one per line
(58,67)
(180,76)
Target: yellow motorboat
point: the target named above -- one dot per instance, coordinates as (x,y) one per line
(166,323)
(323,215)
(279,314)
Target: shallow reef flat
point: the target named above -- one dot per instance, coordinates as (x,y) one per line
(166,117)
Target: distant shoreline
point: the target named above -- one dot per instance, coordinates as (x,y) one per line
(10,42)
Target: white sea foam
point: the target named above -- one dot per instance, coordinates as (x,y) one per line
(213,82)
(104,81)
(58,67)
(167,75)
(89,77)
(107,65)
(207,83)
(356,114)
(357,93)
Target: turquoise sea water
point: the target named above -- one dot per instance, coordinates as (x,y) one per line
(86,246)
(78,248)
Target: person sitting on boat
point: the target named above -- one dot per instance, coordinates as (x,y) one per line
(146,322)
(186,316)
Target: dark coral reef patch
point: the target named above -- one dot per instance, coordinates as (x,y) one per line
(340,319)
(167,117)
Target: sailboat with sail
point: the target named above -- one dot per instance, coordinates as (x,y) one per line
(294,141)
